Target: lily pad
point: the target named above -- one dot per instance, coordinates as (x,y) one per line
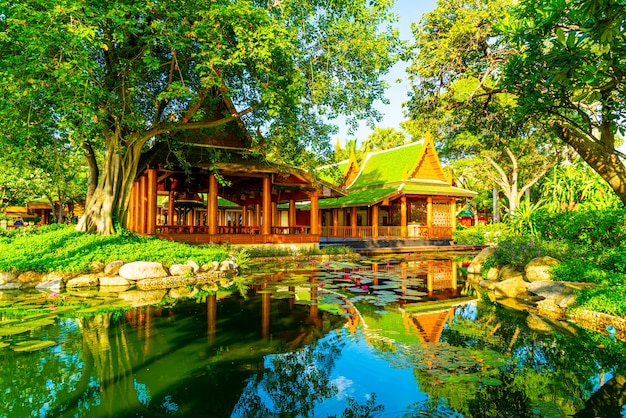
(491,381)
(32,345)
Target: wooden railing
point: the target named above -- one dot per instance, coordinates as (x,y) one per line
(238,229)
(383,232)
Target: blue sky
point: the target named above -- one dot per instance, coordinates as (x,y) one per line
(409,11)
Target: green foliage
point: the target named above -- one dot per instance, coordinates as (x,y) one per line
(521,220)
(581,270)
(596,229)
(518,251)
(610,300)
(62,248)
(480,234)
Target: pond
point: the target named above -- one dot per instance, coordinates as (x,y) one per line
(389,337)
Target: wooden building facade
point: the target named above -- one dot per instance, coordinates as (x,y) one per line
(401,192)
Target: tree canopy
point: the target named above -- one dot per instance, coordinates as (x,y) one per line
(529,71)
(123,77)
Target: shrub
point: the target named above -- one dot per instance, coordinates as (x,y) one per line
(480,234)
(606,228)
(586,271)
(518,251)
(610,300)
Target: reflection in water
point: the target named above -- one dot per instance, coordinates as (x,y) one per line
(384,338)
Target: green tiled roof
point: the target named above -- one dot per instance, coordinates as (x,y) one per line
(435,189)
(387,166)
(359,198)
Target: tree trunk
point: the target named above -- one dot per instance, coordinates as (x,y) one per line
(604,159)
(94,172)
(108,205)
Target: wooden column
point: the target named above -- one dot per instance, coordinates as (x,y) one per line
(403,217)
(315,216)
(211,206)
(244,216)
(429,215)
(292,213)
(131,209)
(266,220)
(353,220)
(257,215)
(374,221)
(143,200)
(453,213)
(335,222)
(151,220)
(171,209)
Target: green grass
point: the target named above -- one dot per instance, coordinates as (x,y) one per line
(62,248)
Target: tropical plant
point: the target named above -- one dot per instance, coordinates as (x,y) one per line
(521,220)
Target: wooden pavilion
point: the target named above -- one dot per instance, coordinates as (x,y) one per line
(225,193)
(401,192)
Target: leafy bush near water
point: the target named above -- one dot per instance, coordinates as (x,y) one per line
(480,234)
(62,248)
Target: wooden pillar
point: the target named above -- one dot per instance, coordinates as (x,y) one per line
(353,220)
(266,220)
(211,205)
(403,216)
(315,216)
(335,222)
(171,209)
(429,215)
(143,200)
(151,220)
(257,215)
(292,213)
(244,216)
(453,213)
(374,212)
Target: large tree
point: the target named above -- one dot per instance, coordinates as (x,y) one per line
(519,69)
(570,74)
(121,77)
(454,73)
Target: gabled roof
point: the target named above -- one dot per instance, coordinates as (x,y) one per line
(417,160)
(411,169)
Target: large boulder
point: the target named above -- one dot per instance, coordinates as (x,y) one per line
(510,272)
(181,269)
(138,270)
(7,277)
(113,281)
(558,292)
(113,267)
(514,287)
(476,266)
(83,280)
(29,279)
(539,268)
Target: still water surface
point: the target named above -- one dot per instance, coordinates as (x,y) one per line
(394,337)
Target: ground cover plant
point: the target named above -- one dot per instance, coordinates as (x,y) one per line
(63,248)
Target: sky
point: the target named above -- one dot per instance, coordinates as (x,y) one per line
(408,11)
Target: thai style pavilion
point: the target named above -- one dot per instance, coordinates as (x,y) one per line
(225,193)
(402,192)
